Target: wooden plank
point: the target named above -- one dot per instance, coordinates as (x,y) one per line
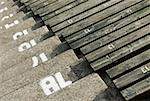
(115,45)
(129,64)
(84,15)
(136,89)
(28,2)
(89,33)
(39,5)
(74,11)
(96,45)
(38,2)
(81,38)
(24,1)
(133,75)
(96,17)
(116,55)
(63,9)
(54,6)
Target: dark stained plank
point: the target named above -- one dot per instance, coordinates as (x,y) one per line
(85,15)
(24,1)
(54,6)
(40,4)
(129,64)
(96,17)
(28,2)
(43,2)
(74,11)
(78,40)
(126,50)
(132,76)
(61,10)
(136,89)
(112,37)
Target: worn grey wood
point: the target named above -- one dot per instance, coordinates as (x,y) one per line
(40,32)
(108,40)
(13,57)
(58,64)
(129,64)
(61,10)
(136,89)
(115,45)
(83,15)
(126,50)
(24,1)
(90,86)
(39,5)
(96,17)
(7,34)
(54,6)
(74,11)
(35,3)
(132,76)
(82,38)
(28,2)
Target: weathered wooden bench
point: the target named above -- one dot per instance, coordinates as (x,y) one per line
(131,76)
(105,31)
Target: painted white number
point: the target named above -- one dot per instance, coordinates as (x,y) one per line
(18,34)
(35,59)
(2,2)
(26,45)
(3,9)
(16,22)
(145,69)
(54,83)
(7,17)
(111,46)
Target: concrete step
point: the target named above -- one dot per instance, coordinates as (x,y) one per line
(85,89)
(14,57)
(60,64)
(11,17)
(25,36)
(8,9)
(14,27)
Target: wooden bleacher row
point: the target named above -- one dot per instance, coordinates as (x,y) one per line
(30,57)
(105,31)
